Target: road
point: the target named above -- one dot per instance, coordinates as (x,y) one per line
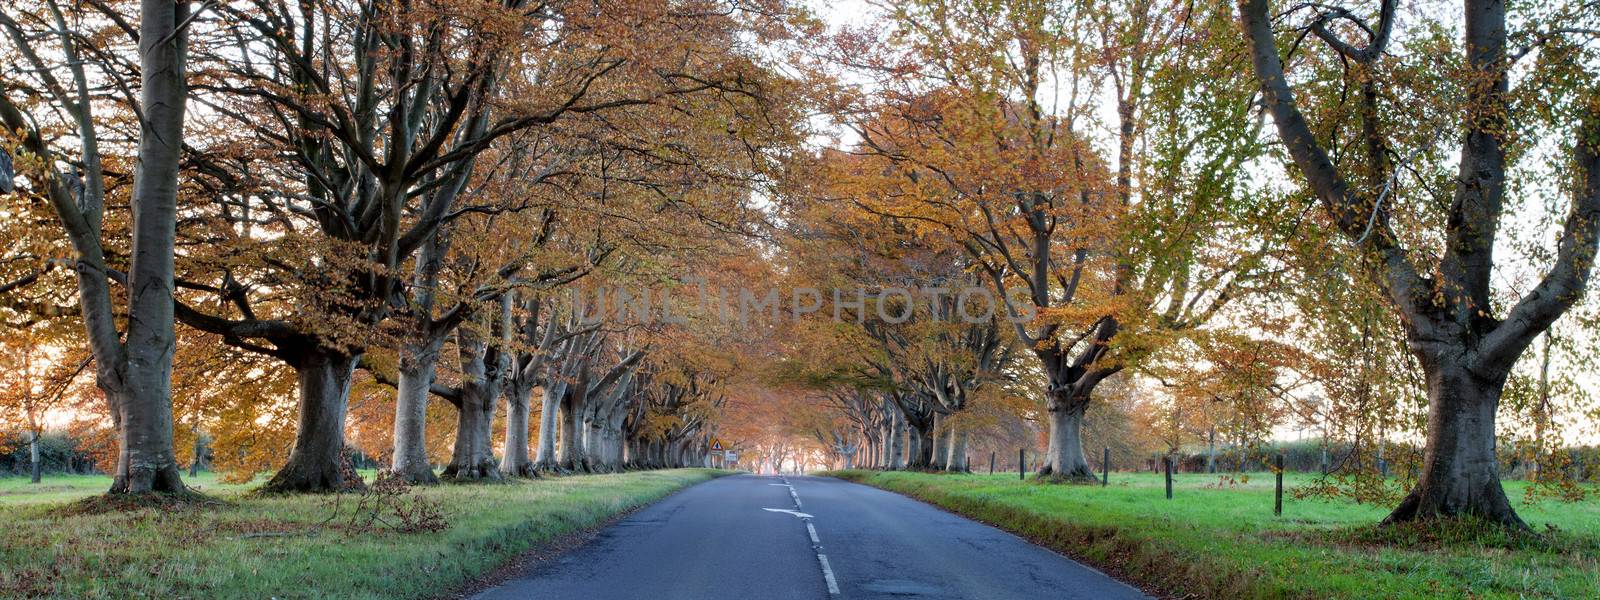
(751,537)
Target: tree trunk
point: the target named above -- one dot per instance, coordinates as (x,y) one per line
(1211,450)
(1064,455)
(887,439)
(958,452)
(614,440)
(549,408)
(616,450)
(925,448)
(918,444)
(33,456)
(571,454)
(199,454)
(601,452)
(897,436)
(590,460)
(940,448)
(410,458)
(472,458)
(317,461)
(1460,472)
(147,462)
(514,460)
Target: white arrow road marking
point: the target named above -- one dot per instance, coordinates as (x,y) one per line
(792,512)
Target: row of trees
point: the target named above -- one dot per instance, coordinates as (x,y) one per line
(318,198)
(1104,169)
(295,227)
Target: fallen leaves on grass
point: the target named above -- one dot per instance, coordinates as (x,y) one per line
(154,501)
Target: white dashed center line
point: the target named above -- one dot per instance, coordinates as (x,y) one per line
(827,573)
(816,543)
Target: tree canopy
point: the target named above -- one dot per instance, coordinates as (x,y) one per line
(468,240)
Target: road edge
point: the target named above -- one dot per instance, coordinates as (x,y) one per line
(1118,561)
(531,559)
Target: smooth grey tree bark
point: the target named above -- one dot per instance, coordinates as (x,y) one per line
(36,466)
(419,358)
(528,372)
(515,460)
(316,463)
(608,424)
(577,414)
(410,457)
(1211,450)
(151,341)
(940,436)
(551,401)
(133,366)
(957,462)
(570,454)
(896,437)
(485,367)
(558,428)
(914,445)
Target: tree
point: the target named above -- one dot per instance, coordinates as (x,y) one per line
(982,136)
(134,362)
(33,383)
(1435,267)
(355,153)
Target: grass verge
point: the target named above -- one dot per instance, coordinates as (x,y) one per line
(253,546)
(1221,540)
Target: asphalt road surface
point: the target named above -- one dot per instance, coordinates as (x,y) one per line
(750,537)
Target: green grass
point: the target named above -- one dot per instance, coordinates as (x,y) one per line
(55,489)
(255,546)
(1222,541)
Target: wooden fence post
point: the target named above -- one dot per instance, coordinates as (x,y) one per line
(1105,468)
(1166,462)
(1277,503)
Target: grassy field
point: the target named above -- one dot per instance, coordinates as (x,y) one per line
(253,546)
(1222,541)
(55,489)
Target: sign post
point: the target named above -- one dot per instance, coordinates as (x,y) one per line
(718,452)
